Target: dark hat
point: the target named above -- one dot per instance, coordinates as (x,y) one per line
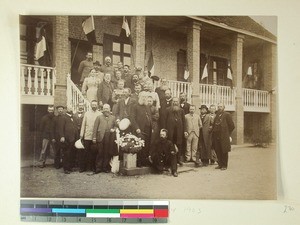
(155,78)
(60,106)
(203,107)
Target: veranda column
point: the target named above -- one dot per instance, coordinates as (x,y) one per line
(138,27)
(193,55)
(62,57)
(269,84)
(237,68)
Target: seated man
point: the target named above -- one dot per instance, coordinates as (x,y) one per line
(163,154)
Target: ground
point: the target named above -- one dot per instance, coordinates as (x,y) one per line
(251,174)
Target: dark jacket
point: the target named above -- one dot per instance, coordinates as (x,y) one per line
(141,118)
(124,111)
(57,123)
(222,128)
(103,124)
(104,92)
(164,105)
(185,107)
(46,126)
(175,119)
(78,120)
(68,129)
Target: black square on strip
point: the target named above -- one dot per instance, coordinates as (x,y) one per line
(100,207)
(85,207)
(115,206)
(145,206)
(160,206)
(130,207)
(27,205)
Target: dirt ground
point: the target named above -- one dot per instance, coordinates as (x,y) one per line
(251,174)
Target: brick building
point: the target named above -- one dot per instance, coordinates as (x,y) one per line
(176,43)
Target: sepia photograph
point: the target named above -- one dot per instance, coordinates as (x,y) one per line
(148,107)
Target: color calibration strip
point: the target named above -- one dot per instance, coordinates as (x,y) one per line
(98,211)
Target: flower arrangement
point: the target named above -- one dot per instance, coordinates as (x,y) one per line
(130,143)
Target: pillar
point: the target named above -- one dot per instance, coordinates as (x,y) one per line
(237,69)
(193,57)
(269,83)
(62,58)
(138,27)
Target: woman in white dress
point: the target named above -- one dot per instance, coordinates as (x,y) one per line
(90,86)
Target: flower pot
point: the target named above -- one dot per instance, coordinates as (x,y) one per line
(129,160)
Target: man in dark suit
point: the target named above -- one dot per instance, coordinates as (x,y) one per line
(163,154)
(142,126)
(124,107)
(137,90)
(58,120)
(68,134)
(78,118)
(105,90)
(222,129)
(183,103)
(175,125)
(165,103)
(103,135)
(47,135)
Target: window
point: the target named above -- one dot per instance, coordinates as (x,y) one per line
(121,53)
(116,49)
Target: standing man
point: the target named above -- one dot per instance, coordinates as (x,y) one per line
(191,133)
(107,67)
(205,136)
(162,88)
(124,106)
(183,103)
(58,121)
(142,126)
(165,103)
(68,135)
(222,129)
(163,154)
(105,90)
(46,129)
(78,118)
(88,154)
(175,125)
(103,135)
(136,92)
(85,66)
(212,114)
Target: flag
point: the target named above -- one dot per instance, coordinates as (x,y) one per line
(41,47)
(88,27)
(186,74)
(125,31)
(150,64)
(229,74)
(205,72)
(249,71)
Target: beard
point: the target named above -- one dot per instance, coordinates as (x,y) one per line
(175,108)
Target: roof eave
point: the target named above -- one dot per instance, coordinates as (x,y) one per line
(241,31)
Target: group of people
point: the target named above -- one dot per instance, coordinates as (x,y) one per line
(173,133)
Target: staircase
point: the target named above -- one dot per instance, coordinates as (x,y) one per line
(74,96)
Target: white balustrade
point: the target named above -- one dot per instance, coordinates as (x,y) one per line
(177,87)
(214,94)
(35,77)
(74,96)
(256,100)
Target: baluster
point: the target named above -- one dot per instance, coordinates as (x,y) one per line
(36,81)
(23,80)
(48,84)
(29,85)
(42,82)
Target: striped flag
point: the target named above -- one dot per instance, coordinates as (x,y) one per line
(41,47)
(88,27)
(249,71)
(229,74)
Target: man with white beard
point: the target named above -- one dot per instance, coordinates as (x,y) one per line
(142,126)
(175,125)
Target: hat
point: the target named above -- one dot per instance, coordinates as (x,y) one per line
(155,78)
(60,106)
(203,107)
(78,144)
(124,124)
